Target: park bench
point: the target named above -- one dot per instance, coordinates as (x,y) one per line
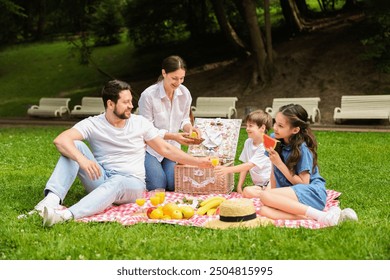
(90,106)
(363,107)
(310,104)
(50,107)
(209,107)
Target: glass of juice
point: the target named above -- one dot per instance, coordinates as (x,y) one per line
(161,194)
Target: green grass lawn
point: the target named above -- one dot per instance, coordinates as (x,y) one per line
(355,164)
(31,71)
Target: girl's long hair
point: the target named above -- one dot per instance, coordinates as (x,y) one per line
(298,117)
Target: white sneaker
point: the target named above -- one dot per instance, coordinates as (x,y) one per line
(46,202)
(332,217)
(348,214)
(52,216)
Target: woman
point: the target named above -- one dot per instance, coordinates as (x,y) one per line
(167,104)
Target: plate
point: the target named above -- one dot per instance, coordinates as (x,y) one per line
(197,141)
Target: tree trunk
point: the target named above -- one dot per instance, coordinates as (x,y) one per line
(256,41)
(302,7)
(268,36)
(296,15)
(197,13)
(227,30)
(349,4)
(41,20)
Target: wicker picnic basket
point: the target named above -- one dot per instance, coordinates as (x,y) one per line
(194,180)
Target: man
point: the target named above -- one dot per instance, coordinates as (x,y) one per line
(114,172)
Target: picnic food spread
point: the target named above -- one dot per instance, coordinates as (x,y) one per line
(177,210)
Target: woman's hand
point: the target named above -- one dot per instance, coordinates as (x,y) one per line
(195,129)
(183,138)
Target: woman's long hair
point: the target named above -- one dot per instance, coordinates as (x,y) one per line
(171,64)
(298,117)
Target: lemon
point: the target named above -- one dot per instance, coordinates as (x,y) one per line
(194,134)
(187,211)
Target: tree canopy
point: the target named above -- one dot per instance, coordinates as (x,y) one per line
(245,25)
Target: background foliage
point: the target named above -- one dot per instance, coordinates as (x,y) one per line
(152,23)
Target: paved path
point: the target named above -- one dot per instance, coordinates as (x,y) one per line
(27,122)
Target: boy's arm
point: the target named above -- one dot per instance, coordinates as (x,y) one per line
(241,181)
(223,170)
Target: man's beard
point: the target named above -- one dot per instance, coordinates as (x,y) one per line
(122,116)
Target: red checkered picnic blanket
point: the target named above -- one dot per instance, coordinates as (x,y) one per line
(129,214)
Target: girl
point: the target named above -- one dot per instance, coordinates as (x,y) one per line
(297,188)
(254,160)
(167,104)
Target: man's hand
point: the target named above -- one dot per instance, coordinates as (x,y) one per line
(91,167)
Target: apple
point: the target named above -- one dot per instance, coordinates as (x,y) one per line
(149,211)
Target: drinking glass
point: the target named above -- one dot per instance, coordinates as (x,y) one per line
(140,201)
(214,158)
(161,194)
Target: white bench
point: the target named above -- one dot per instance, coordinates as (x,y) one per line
(50,107)
(310,104)
(90,106)
(208,107)
(363,107)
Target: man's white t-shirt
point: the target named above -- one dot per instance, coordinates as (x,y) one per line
(118,150)
(261,172)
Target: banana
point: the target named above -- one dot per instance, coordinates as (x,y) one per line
(204,202)
(211,211)
(212,204)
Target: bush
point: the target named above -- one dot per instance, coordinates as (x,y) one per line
(377,38)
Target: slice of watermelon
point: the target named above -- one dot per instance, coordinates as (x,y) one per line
(270,142)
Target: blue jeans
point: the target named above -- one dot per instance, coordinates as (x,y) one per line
(159,174)
(110,188)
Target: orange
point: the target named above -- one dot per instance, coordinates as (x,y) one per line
(156,214)
(177,214)
(187,211)
(168,208)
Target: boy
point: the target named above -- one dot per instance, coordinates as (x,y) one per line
(259,166)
